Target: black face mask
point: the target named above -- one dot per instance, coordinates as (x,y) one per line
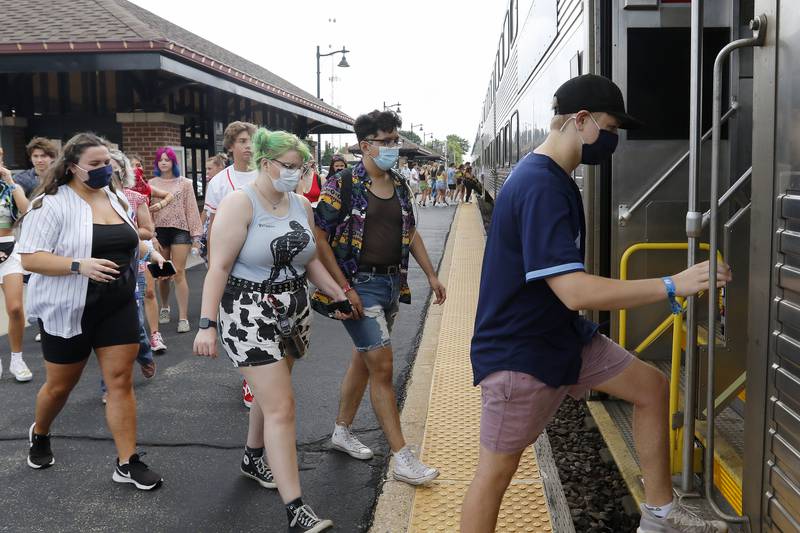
(99,177)
(600,150)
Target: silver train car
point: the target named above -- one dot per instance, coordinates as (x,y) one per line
(715,173)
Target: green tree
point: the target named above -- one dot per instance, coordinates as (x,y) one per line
(460,141)
(410,135)
(327,154)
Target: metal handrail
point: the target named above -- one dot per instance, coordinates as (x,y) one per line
(676,321)
(727,195)
(759,27)
(626,212)
(623,273)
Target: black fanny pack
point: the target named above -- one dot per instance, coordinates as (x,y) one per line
(6,249)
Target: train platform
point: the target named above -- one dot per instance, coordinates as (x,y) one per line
(442,411)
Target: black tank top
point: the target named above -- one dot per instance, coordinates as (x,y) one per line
(114,242)
(383,232)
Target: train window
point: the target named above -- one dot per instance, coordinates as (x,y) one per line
(512,19)
(503,50)
(514,136)
(658,78)
(504,149)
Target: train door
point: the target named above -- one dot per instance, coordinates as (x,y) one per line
(651,48)
(772,436)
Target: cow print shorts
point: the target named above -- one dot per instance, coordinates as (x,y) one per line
(248,328)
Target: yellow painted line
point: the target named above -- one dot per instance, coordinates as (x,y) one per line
(628,467)
(451,441)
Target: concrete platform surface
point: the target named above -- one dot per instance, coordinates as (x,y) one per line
(192,426)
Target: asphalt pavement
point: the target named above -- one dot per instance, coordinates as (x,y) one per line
(192,426)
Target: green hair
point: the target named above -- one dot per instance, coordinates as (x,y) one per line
(273,144)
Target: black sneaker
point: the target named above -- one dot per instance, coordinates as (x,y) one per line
(255,468)
(305,521)
(39,455)
(138,473)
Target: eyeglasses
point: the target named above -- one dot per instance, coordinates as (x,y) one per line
(305,169)
(388,143)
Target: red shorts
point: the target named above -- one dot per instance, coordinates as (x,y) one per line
(517,406)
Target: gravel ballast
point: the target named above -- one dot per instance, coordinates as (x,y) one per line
(594,487)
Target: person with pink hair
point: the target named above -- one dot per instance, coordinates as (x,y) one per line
(178,229)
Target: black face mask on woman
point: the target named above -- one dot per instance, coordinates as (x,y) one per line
(98,177)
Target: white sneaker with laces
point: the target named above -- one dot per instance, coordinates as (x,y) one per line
(409,469)
(20,370)
(345,441)
(183,326)
(680,519)
(163,315)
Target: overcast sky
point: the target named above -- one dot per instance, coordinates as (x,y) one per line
(434,56)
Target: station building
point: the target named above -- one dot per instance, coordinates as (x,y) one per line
(112,67)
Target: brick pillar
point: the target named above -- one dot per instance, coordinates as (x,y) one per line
(144,133)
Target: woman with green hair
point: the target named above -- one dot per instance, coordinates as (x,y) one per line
(256,290)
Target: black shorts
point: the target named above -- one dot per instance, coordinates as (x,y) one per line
(170,236)
(110,318)
(451,186)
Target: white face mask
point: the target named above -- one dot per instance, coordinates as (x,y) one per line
(287,179)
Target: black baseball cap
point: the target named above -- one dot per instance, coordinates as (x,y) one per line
(593,93)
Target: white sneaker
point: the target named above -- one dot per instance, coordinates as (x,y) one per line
(344,441)
(20,370)
(680,519)
(409,469)
(163,316)
(183,326)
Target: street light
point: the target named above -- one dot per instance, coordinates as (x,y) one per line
(397,105)
(416,126)
(343,63)
(425,135)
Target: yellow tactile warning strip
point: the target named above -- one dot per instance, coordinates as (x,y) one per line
(452,427)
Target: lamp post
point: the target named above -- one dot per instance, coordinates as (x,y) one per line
(344,64)
(390,106)
(425,135)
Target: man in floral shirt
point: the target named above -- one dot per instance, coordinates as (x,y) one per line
(372,238)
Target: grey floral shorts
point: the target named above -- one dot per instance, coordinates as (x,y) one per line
(248,325)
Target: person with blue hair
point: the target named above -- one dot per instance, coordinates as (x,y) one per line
(178,229)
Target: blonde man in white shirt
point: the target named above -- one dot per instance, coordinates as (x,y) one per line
(81,246)
(238,141)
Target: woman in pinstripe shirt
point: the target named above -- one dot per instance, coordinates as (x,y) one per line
(81,246)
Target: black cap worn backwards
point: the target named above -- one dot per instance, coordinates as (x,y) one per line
(594,94)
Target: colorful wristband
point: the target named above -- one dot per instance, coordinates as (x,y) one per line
(346,288)
(673,302)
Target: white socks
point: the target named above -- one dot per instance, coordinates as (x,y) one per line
(16,356)
(660,511)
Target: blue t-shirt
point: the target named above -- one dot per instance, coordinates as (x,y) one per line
(451,176)
(538,230)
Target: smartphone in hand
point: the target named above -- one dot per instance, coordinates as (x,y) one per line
(158,272)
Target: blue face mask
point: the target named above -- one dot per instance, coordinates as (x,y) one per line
(387,157)
(99,177)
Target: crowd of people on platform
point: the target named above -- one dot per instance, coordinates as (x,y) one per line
(101,245)
(439,185)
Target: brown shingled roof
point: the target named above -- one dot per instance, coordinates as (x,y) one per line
(66,26)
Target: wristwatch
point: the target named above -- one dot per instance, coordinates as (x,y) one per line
(75,267)
(206,323)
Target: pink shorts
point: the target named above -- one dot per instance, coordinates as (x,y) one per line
(517,406)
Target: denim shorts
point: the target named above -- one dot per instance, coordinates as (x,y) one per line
(380,294)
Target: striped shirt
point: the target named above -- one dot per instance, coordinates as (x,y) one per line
(61,226)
